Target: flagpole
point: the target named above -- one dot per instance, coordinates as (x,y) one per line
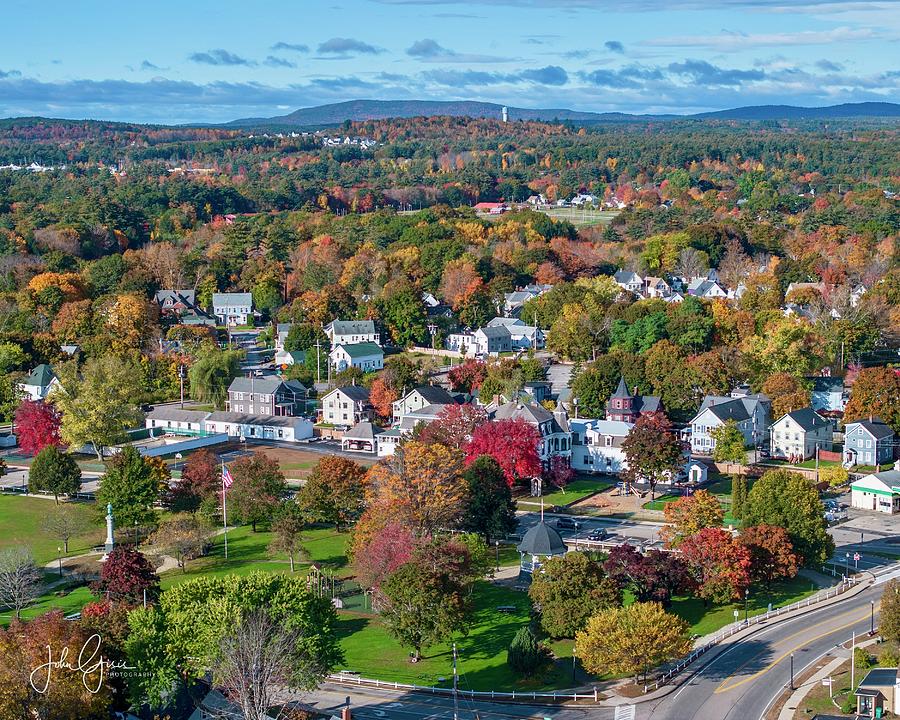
(224,514)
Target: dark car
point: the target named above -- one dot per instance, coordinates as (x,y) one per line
(598,534)
(568,524)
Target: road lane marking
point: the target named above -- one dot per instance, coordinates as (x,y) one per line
(726,687)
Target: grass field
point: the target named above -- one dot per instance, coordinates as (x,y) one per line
(574,491)
(579,217)
(370,651)
(20,524)
(247,552)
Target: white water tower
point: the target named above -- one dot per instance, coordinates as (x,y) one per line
(505,112)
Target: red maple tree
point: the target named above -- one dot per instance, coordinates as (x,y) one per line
(467,376)
(719,564)
(382,397)
(37,426)
(512,443)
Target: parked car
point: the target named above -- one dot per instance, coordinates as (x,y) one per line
(598,534)
(568,524)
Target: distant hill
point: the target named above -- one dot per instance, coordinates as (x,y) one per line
(337,113)
(792,112)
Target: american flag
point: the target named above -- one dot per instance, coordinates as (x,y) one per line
(227,480)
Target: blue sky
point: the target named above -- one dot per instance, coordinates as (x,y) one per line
(204,61)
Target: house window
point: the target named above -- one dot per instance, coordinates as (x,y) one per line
(588,460)
(608,441)
(868,443)
(280,433)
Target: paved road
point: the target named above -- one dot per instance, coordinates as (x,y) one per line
(619,531)
(743,681)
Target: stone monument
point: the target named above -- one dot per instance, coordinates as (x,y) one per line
(110,542)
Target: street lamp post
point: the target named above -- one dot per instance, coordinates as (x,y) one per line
(847,563)
(59,560)
(746,598)
(135,533)
(497,549)
(792,671)
(872,618)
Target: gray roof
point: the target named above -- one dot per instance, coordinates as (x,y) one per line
(243,299)
(876,427)
(628,277)
(176,296)
(827,384)
(496,331)
(176,414)
(880,677)
(889,477)
(731,410)
(352,327)
(363,349)
(41,376)
(362,431)
(245,419)
(498,321)
(267,384)
(355,392)
(522,411)
(807,418)
(434,395)
(542,540)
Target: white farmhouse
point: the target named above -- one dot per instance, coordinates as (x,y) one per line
(350,332)
(597,445)
(259,427)
(749,412)
(39,383)
(232,308)
(346,406)
(798,434)
(367,356)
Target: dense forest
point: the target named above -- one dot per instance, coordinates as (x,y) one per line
(318,226)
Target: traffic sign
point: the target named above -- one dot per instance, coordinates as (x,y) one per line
(856,557)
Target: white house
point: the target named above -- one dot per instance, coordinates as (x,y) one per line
(655,287)
(387,441)
(346,406)
(232,308)
(259,427)
(597,445)
(289,357)
(492,340)
(749,412)
(39,383)
(174,421)
(630,281)
(868,442)
(856,295)
(350,332)
(797,434)
(703,288)
(463,342)
(367,356)
(281,332)
(879,492)
(521,336)
(420,397)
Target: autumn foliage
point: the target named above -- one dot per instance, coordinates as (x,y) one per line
(37,425)
(512,443)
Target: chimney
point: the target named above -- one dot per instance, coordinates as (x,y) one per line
(345,714)
(634,391)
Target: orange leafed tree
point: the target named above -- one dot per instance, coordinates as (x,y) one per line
(382,397)
(421,486)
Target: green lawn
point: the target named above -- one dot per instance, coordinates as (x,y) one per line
(20,524)
(707,620)
(576,490)
(248,551)
(372,652)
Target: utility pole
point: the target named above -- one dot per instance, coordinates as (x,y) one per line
(181,380)
(318,362)
(455,685)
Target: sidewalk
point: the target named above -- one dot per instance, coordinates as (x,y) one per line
(793,702)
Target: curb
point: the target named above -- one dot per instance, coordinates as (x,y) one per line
(745,634)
